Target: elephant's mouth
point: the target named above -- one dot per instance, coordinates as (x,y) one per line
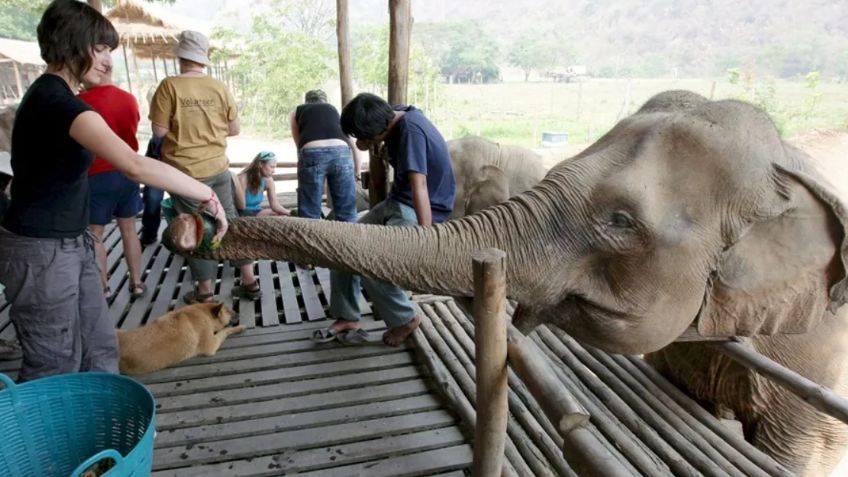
(593,309)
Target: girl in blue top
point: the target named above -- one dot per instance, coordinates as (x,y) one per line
(252,182)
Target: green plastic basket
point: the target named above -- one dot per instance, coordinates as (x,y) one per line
(62,425)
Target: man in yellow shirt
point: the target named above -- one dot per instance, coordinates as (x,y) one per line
(195,114)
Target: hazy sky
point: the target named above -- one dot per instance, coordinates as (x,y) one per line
(239,13)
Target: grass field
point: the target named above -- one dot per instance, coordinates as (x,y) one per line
(518,113)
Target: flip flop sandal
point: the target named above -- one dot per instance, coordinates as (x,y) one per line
(253,292)
(193,297)
(138,290)
(357,338)
(107,292)
(325,335)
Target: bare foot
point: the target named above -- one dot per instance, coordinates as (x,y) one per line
(396,336)
(344,325)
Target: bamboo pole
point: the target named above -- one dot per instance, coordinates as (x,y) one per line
(622,411)
(127,67)
(343,39)
(399,34)
(538,428)
(689,445)
(657,384)
(632,448)
(18,82)
(582,450)
(682,421)
(155,73)
(490,292)
(440,375)
(813,394)
(534,371)
(467,385)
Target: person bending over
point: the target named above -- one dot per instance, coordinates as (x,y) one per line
(422,194)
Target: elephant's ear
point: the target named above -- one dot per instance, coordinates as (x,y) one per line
(786,270)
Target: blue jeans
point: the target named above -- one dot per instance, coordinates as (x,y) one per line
(335,163)
(391,303)
(152,214)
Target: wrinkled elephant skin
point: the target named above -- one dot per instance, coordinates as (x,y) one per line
(687,213)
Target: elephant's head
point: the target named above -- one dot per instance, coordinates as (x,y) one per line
(688,211)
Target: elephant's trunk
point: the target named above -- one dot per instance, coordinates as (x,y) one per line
(433,259)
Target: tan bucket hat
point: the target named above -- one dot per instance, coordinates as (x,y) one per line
(193,46)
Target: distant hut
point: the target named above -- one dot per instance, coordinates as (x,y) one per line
(20,65)
(150,34)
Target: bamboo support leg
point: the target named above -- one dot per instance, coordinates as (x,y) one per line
(517,450)
(547,440)
(490,358)
(449,386)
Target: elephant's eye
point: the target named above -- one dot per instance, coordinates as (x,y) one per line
(621,220)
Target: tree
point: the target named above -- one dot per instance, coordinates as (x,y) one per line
(19,18)
(530,53)
(471,54)
(280,58)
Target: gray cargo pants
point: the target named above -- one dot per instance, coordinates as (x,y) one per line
(58,308)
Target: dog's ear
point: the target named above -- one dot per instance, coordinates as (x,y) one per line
(219,310)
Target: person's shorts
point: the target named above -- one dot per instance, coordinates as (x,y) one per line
(249,212)
(112,194)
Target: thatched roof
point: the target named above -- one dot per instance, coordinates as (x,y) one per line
(23,52)
(150,30)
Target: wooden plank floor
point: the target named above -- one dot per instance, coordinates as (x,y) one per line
(271,401)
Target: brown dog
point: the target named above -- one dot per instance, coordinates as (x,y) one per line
(194,330)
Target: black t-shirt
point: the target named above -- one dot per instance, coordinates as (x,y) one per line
(318,121)
(50,189)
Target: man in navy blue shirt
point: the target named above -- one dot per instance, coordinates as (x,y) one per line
(422,194)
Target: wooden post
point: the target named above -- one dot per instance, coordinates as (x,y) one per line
(165,67)
(18,79)
(127,67)
(343,39)
(399,32)
(490,361)
(96,4)
(155,73)
(815,395)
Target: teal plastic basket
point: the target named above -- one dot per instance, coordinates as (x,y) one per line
(62,425)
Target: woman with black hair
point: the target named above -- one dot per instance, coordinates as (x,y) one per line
(46,256)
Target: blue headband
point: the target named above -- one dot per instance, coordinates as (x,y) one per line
(266,156)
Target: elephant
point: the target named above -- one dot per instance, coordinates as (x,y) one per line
(476,162)
(486,173)
(688,214)
(491,187)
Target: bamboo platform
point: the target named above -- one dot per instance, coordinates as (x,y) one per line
(271,402)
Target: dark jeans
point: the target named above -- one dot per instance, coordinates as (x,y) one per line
(152,214)
(335,163)
(152,198)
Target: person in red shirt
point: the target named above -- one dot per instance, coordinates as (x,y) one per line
(111,192)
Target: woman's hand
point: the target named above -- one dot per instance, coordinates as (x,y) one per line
(213,205)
